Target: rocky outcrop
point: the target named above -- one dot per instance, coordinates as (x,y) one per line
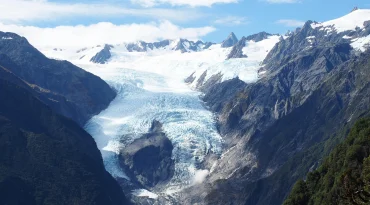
(148,159)
(142,46)
(46,158)
(66,88)
(182,45)
(102,56)
(237,50)
(230,41)
(258,36)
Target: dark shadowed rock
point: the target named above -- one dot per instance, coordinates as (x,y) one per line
(231,40)
(148,159)
(66,88)
(46,158)
(102,56)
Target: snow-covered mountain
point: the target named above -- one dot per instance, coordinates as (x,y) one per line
(354,26)
(180,57)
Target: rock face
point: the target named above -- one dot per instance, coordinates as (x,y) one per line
(182,45)
(231,40)
(142,46)
(258,36)
(46,158)
(103,56)
(66,88)
(237,51)
(148,159)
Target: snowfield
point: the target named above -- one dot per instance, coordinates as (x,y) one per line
(348,22)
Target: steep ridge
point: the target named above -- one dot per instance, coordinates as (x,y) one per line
(103,56)
(343,178)
(68,89)
(262,123)
(230,41)
(46,158)
(240,50)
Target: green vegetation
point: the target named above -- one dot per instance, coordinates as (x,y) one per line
(343,178)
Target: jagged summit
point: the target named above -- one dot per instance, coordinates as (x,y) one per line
(230,41)
(258,36)
(103,56)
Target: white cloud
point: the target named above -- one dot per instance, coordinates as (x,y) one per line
(101,33)
(283,1)
(232,20)
(16,11)
(192,3)
(290,22)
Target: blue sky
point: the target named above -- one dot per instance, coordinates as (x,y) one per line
(210,20)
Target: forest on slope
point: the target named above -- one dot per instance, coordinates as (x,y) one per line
(343,177)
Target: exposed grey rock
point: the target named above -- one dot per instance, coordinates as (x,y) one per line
(231,40)
(148,159)
(186,46)
(258,36)
(298,41)
(207,45)
(102,56)
(190,79)
(237,51)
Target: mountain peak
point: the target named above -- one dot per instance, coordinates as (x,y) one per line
(231,40)
(258,36)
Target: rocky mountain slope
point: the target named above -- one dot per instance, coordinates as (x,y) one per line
(313,84)
(69,90)
(343,178)
(46,158)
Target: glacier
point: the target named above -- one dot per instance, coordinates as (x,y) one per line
(150,86)
(144,97)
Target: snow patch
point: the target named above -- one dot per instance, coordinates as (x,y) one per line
(361,44)
(347,37)
(144,193)
(6,38)
(311,39)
